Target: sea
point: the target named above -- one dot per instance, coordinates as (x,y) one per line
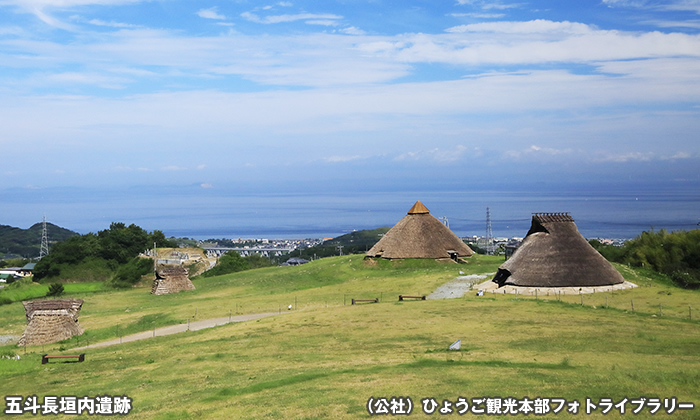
(608,211)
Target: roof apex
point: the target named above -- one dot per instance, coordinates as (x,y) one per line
(419,208)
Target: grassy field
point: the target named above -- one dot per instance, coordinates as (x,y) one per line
(325,358)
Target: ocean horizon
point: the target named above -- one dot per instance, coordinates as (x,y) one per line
(609,211)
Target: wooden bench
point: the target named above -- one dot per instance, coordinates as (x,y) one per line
(45,358)
(376,300)
(402,297)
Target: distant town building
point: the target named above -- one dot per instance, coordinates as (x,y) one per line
(294,261)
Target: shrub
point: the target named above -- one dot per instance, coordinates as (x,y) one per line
(132,272)
(55,289)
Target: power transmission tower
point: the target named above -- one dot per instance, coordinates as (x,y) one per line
(489,233)
(44,251)
(445,222)
(340,248)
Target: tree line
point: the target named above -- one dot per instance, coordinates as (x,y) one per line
(675,254)
(110,255)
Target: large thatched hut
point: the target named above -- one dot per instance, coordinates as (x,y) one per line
(171,279)
(50,321)
(420,235)
(555,254)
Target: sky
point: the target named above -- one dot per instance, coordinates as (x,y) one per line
(347,94)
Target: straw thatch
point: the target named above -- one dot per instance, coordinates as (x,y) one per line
(50,321)
(171,279)
(555,254)
(420,235)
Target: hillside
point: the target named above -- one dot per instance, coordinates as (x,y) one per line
(325,358)
(26,243)
(357,242)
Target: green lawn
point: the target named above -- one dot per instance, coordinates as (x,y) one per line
(325,359)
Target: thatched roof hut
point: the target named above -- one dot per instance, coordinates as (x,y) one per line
(555,254)
(50,321)
(171,279)
(420,235)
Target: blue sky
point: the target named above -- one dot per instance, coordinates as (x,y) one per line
(121,93)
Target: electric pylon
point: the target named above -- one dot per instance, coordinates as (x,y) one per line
(489,233)
(44,251)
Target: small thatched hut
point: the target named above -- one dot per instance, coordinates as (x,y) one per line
(50,321)
(171,279)
(420,235)
(555,254)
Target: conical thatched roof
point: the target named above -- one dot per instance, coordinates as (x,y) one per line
(171,279)
(50,321)
(420,235)
(555,254)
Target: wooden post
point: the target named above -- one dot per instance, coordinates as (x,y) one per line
(581,294)
(632,304)
(229,315)
(535,294)
(690,314)
(661,311)
(606,302)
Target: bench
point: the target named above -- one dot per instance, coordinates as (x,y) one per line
(402,297)
(45,358)
(376,300)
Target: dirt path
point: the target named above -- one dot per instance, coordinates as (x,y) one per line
(174,329)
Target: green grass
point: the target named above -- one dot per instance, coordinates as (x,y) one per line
(26,290)
(325,359)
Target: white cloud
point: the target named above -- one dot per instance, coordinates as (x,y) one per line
(436,155)
(353,31)
(39,8)
(538,26)
(665,5)
(626,157)
(322,22)
(112,24)
(172,168)
(678,156)
(479,15)
(499,6)
(210,13)
(336,159)
(535,150)
(95,79)
(206,186)
(289,18)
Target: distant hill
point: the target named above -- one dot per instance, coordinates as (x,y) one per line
(26,243)
(357,242)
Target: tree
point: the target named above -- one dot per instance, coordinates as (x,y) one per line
(55,289)
(131,273)
(230,262)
